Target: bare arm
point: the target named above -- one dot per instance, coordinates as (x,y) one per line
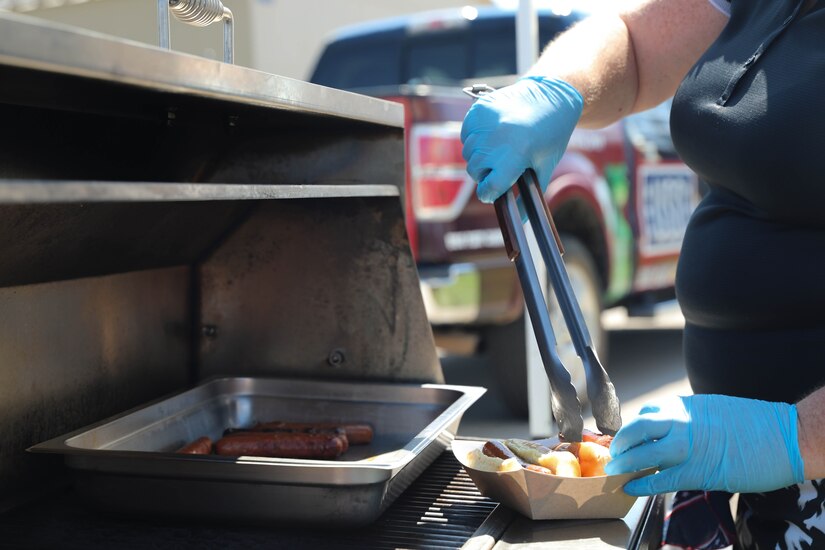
(632,59)
(811,436)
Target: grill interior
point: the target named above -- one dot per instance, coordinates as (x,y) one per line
(159,227)
(442,509)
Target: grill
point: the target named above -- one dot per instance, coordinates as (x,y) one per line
(170,224)
(442,510)
(167,220)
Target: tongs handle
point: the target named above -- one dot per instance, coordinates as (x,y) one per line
(564,401)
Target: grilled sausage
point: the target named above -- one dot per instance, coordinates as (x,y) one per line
(478,460)
(201,446)
(230,432)
(496,448)
(357,434)
(594,437)
(600,439)
(282,445)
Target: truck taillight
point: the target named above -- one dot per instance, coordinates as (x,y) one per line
(438,178)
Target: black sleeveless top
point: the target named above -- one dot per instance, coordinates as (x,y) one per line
(749,118)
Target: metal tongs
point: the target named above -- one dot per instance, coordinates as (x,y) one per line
(564,401)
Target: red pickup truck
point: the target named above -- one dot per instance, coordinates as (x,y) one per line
(620,197)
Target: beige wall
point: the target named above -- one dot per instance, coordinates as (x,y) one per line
(289,34)
(137,20)
(277,36)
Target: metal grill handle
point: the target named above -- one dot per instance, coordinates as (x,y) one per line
(198,13)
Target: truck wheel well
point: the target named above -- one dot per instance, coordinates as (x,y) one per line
(577,218)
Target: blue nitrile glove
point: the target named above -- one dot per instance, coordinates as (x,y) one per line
(525,125)
(710,442)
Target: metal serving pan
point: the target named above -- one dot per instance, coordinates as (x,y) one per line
(128,465)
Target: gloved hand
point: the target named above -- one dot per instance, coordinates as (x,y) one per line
(525,125)
(710,442)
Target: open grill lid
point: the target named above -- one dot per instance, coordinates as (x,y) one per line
(119,157)
(166,218)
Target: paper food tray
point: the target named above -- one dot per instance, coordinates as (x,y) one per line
(542,496)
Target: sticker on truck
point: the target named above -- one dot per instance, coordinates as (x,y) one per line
(667,196)
(473,240)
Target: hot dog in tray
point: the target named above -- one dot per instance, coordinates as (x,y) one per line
(585,459)
(278,439)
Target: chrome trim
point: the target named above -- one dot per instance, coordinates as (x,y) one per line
(44,46)
(24,191)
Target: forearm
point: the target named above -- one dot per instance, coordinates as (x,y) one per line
(811,435)
(603,70)
(631,59)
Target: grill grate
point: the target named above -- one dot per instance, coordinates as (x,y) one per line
(440,510)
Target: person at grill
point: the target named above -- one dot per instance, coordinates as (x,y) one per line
(749,119)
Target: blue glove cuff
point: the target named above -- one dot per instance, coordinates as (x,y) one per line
(525,125)
(561,87)
(792,444)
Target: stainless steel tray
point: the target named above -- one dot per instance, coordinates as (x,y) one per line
(127,463)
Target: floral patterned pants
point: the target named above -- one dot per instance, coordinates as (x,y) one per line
(792,518)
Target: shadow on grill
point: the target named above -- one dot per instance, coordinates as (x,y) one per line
(442,510)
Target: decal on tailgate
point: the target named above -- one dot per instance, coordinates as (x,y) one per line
(473,239)
(667,196)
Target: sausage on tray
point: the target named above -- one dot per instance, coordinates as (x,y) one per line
(201,446)
(357,434)
(594,437)
(496,448)
(479,460)
(600,439)
(230,432)
(282,445)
